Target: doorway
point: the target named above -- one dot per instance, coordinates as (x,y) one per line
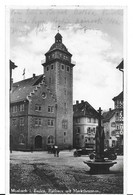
(38,142)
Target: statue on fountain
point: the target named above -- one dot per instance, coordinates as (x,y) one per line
(99,139)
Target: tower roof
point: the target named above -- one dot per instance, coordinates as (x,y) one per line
(58,45)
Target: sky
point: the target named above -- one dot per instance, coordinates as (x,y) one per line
(93,36)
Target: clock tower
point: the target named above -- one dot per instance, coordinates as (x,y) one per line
(58,70)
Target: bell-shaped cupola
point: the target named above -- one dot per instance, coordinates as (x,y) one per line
(58,38)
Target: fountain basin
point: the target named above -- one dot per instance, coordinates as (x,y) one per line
(100,167)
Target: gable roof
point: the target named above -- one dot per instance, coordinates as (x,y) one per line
(23,88)
(118,97)
(108,115)
(84,109)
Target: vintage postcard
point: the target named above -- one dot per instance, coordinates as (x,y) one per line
(66,100)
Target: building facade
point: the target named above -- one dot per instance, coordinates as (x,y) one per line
(118,104)
(85,121)
(109,128)
(41,107)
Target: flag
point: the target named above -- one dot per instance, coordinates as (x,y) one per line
(24,71)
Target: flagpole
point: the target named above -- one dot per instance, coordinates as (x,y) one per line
(24,74)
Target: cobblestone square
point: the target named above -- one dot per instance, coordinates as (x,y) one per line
(40,172)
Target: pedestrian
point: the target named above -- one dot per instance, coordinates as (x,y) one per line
(54,150)
(58,151)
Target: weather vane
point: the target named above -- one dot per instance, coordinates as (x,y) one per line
(58,28)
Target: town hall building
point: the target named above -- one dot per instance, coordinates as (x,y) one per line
(41,107)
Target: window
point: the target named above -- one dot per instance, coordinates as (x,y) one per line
(51,109)
(64,124)
(65,91)
(21,107)
(62,66)
(88,130)
(77,120)
(64,133)
(107,133)
(89,120)
(14,109)
(50,122)
(21,121)
(113,124)
(117,114)
(50,139)
(94,129)
(86,140)
(38,121)
(92,120)
(52,67)
(47,68)
(60,55)
(21,139)
(38,107)
(95,120)
(68,68)
(78,130)
(14,122)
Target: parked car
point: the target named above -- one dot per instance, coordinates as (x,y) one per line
(82,151)
(119,150)
(108,153)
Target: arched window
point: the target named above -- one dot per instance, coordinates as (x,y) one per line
(21,139)
(50,139)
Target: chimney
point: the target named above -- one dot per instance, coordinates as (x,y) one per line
(34,75)
(82,101)
(110,109)
(77,102)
